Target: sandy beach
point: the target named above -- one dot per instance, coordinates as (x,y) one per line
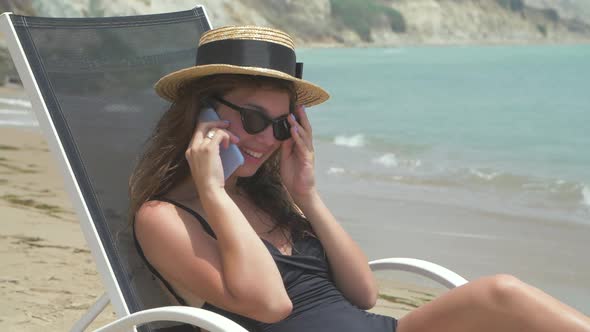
(48,277)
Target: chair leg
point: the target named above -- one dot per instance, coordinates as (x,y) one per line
(91,314)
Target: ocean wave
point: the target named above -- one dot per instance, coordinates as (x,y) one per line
(484,174)
(17,102)
(387,160)
(538,192)
(335,171)
(586,196)
(354,141)
(507,181)
(391,160)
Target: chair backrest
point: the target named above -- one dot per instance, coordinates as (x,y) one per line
(90,82)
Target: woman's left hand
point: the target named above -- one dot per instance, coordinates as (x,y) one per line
(297,158)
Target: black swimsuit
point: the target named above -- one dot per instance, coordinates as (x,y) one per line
(317,304)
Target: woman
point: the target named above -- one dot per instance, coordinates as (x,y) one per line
(261,247)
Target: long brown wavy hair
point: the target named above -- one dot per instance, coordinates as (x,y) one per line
(163,166)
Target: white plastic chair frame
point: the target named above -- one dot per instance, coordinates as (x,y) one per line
(188,315)
(217,323)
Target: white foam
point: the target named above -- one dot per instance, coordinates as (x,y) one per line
(354,141)
(335,170)
(586,196)
(17,102)
(484,175)
(414,163)
(387,160)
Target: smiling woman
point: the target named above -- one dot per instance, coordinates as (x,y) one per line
(261,247)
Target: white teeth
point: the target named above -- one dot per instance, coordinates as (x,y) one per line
(253,154)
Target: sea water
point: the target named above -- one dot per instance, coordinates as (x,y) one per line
(512,121)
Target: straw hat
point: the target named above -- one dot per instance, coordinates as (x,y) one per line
(246,50)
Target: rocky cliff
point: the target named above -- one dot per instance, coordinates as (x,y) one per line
(357,22)
(481,22)
(568,9)
(352,22)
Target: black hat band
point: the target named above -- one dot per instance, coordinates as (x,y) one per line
(250,53)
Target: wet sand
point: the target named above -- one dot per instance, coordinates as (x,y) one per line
(465,232)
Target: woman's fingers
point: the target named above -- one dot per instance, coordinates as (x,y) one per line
(219,137)
(299,142)
(286,149)
(204,127)
(303,119)
(200,137)
(301,135)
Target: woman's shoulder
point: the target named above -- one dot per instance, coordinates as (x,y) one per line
(168,212)
(162,207)
(155,214)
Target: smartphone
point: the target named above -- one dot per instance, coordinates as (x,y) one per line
(231,158)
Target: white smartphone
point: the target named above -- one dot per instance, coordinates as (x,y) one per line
(231,158)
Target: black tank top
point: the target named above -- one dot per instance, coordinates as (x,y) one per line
(317,304)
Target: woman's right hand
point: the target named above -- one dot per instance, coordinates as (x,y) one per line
(202,154)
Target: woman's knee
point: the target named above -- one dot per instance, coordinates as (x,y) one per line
(503,290)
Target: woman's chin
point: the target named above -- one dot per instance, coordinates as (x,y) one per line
(245,171)
(250,166)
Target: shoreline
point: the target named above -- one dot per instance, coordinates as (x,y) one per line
(445,43)
(544,252)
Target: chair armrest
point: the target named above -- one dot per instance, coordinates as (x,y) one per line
(216,323)
(427,269)
(198,317)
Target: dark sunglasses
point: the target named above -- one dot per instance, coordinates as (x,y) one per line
(255,121)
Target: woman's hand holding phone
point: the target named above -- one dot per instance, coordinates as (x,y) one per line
(203,153)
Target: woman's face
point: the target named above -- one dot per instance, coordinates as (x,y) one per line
(256,148)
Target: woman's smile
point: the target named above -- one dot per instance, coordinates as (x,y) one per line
(251,154)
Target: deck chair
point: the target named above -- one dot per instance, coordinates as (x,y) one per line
(90,84)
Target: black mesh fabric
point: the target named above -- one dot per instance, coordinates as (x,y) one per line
(96,76)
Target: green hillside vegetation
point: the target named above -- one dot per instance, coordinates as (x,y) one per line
(519,6)
(514,5)
(359,16)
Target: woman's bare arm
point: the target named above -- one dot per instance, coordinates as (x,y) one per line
(234,272)
(348,262)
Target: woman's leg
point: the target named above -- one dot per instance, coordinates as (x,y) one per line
(498,303)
